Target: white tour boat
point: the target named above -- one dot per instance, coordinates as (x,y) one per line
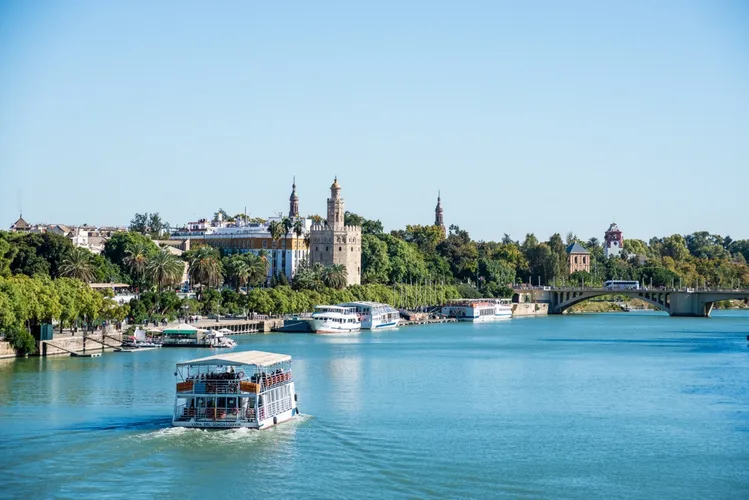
(375,315)
(252,389)
(478,310)
(335,319)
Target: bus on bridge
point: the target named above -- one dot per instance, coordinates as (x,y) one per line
(622,285)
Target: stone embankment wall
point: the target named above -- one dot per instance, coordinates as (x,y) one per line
(6,351)
(62,346)
(530,309)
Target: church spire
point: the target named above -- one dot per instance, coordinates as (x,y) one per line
(293,201)
(438,221)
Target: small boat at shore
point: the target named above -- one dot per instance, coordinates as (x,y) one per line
(478,310)
(138,342)
(218,340)
(335,319)
(375,315)
(251,389)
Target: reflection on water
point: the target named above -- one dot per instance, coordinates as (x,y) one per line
(590,406)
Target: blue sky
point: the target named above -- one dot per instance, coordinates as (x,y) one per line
(529,116)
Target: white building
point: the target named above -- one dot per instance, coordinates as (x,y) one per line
(284,254)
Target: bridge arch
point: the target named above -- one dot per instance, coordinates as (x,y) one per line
(561,301)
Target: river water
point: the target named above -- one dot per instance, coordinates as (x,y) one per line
(635,405)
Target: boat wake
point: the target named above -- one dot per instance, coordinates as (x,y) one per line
(185,435)
(143,423)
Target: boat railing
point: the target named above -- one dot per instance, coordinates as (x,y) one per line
(273,380)
(234,386)
(275,408)
(213,414)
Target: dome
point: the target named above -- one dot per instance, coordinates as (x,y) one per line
(335,184)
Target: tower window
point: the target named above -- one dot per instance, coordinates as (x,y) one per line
(340,249)
(352,249)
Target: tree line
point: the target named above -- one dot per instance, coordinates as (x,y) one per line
(425,253)
(400,267)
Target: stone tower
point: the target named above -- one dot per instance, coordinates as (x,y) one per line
(293,201)
(613,242)
(438,221)
(335,242)
(335,205)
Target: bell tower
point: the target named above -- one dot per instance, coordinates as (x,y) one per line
(614,242)
(335,206)
(438,220)
(293,201)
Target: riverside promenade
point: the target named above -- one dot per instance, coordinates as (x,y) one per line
(70,343)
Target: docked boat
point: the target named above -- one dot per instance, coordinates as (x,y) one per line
(218,340)
(478,310)
(138,342)
(375,315)
(252,389)
(335,319)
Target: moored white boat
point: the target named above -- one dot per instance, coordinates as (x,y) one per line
(478,310)
(218,340)
(375,315)
(252,389)
(335,319)
(137,342)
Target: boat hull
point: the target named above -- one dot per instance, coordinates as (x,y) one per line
(262,425)
(486,319)
(384,326)
(322,326)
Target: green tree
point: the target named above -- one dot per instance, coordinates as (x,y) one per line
(257,266)
(205,266)
(335,276)
(164,269)
(298,228)
(237,270)
(368,226)
(136,259)
(116,251)
(7,254)
(375,259)
(461,253)
(78,264)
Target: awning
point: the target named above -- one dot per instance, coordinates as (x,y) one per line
(258,358)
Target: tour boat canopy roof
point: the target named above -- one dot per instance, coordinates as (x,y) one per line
(258,358)
(182,329)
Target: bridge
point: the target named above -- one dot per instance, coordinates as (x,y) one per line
(690,302)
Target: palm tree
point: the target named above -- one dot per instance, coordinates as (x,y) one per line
(287,224)
(335,276)
(257,266)
(77,264)
(298,228)
(593,242)
(237,270)
(205,267)
(276,229)
(136,259)
(164,269)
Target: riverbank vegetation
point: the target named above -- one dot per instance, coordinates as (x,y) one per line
(43,276)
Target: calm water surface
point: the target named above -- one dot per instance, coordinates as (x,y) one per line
(634,405)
